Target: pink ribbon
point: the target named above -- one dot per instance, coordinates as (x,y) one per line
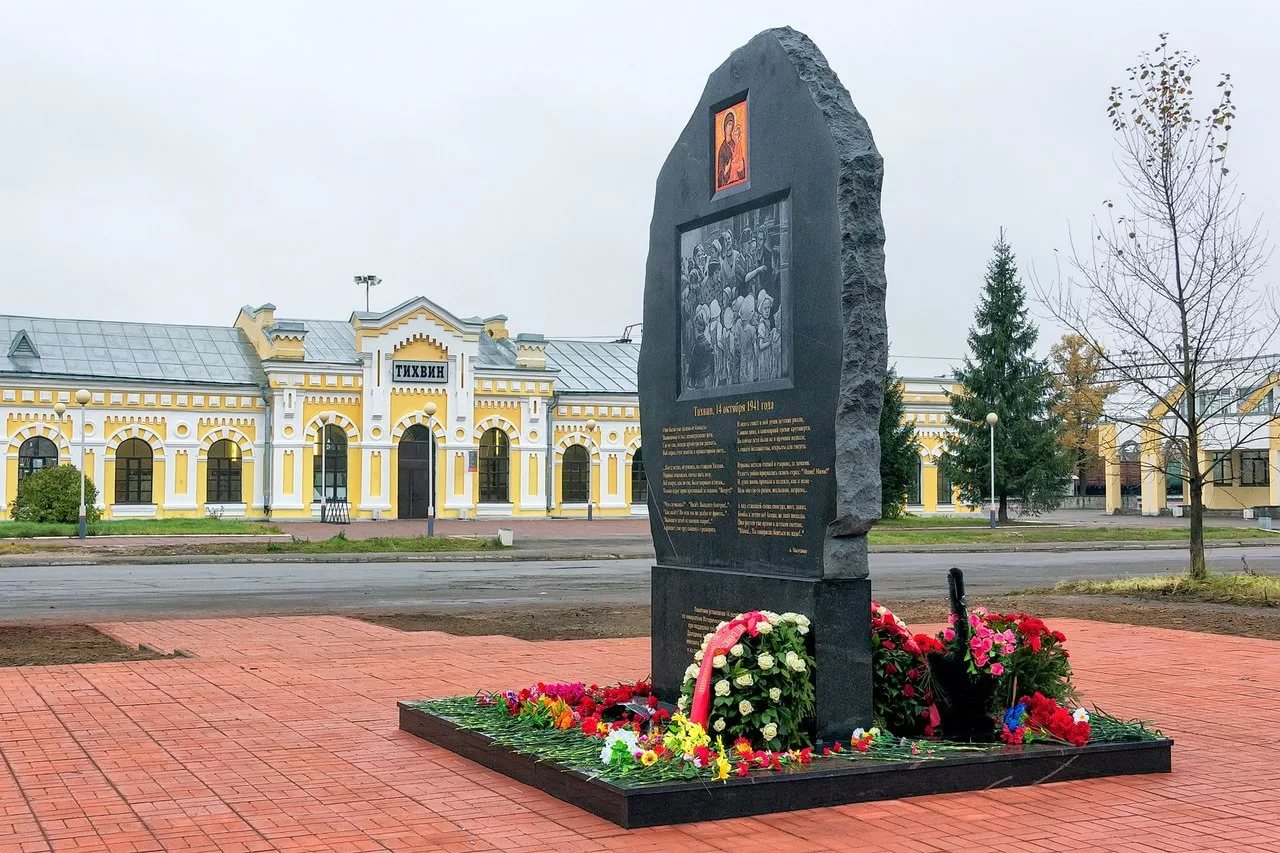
(721,642)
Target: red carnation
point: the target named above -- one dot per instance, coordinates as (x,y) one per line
(909,691)
(743,768)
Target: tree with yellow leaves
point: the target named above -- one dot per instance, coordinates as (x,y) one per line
(1077,370)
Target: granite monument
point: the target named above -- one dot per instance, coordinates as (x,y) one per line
(763,365)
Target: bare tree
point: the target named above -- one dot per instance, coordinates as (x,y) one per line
(1167,295)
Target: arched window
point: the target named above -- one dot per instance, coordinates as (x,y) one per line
(495,467)
(36,454)
(133,472)
(639,482)
(913,496)
(329,474)
(944,488)
(575,475)
(222,481)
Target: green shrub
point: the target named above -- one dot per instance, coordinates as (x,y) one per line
(52,496)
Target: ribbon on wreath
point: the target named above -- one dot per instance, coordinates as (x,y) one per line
(721,642)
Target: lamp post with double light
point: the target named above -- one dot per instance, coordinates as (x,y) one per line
(992,420)
(368,282)
(430,409)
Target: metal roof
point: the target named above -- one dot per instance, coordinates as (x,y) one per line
(327,341)
(584,367)
(495,353)
(209,355)
(223,355)
(594,366)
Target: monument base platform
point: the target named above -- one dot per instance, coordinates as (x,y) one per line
(689,603)
(827,782)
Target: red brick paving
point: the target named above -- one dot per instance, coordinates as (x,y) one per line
(282,735)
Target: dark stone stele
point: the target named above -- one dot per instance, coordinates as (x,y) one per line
(764,463)
(834,783)
(764,479)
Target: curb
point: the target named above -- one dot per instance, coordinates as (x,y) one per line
(1067,547)
(509,555)
(23,561)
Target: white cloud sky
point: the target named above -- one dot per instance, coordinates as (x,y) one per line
(174,161)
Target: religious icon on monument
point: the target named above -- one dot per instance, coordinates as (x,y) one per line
(735,303)
(731,146)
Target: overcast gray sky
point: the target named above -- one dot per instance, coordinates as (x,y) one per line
(171,162)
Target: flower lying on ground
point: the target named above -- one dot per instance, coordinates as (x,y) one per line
(1037,717)
(593,709)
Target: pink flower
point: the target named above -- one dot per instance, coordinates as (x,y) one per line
(950,633)
(997,669)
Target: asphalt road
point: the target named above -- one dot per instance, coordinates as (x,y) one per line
(122,592)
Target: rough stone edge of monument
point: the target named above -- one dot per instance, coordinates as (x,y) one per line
(865,344)
(686,802)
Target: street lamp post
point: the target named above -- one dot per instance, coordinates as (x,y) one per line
(591,431)
(430,409)
(992,420)
(368,282)
(82,397)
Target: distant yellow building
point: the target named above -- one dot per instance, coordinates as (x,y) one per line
(185,421)
(926,406)
(192,420)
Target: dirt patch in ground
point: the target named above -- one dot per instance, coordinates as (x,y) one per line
(38,645)
(605,621)
(529,623)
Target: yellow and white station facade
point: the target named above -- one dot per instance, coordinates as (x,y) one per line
(185,421)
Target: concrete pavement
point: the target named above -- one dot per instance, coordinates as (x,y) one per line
(78,593)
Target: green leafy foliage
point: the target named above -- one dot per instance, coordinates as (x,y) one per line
(52,496)
(899,450)
(1002,375)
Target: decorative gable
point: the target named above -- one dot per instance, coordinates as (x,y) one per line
(22,346)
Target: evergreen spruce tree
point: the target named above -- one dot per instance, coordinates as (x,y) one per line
(899,450)
(1002,375)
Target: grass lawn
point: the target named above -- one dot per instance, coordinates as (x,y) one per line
(1007,536)
(911,521)
(1251,590)
(340,544)
(157,526)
